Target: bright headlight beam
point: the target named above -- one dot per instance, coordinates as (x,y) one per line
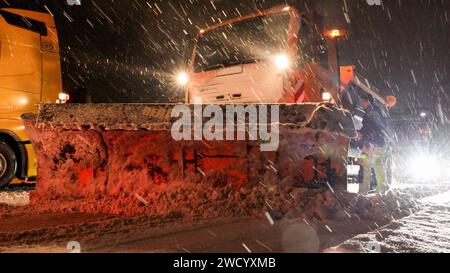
(425,168)
(282,62)
(182,78)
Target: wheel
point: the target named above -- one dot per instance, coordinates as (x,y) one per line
(8,165)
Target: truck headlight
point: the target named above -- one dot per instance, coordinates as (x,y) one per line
(182,78)
(282,62)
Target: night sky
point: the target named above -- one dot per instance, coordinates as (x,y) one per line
(126,51)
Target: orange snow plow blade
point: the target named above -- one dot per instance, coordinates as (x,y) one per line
(122,158)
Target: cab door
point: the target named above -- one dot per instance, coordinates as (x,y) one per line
(20,64)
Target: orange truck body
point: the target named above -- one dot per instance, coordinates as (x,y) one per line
(30,73)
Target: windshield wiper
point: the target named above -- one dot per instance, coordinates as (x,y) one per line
(248,61)
(229,64)
(214,66)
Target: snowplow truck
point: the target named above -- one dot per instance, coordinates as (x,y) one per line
(30,73)
(262,117)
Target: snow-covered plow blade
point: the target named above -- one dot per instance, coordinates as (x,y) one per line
(123,158)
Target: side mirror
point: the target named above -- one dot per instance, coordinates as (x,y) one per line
(391,101)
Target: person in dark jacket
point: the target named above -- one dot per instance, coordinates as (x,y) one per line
(372,142)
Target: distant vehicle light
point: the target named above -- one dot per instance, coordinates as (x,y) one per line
(288,8)
(326,96)
(425,167)
(423,115)
(282,62)
(182,79)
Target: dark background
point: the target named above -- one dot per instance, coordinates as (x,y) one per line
(128,50)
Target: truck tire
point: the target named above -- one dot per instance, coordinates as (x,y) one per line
(8,165)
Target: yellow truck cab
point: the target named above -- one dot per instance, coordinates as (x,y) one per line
(30,73)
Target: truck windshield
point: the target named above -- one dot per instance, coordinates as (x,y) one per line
(243,42)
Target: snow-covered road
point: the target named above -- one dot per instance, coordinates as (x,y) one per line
(426,231)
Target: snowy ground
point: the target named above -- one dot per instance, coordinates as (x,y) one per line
(426,231)
(15,198)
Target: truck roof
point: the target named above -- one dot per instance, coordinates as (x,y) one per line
(39,16)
